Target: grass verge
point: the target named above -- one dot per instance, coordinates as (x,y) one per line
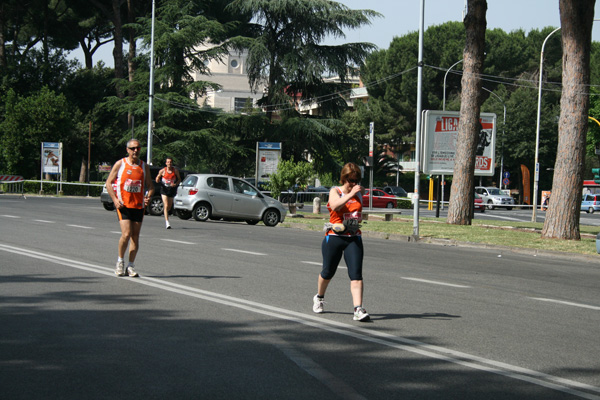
(513,234)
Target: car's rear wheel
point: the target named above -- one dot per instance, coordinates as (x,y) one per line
(389,205)
(201,212)
(509,208)
(591,210)
(156,206)
(109,206)
(183,214)
(252,221)
(490,205)
(271,217)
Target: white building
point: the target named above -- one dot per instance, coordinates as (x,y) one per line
(231,74)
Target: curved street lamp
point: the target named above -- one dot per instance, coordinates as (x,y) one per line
(445,75)
(536,179)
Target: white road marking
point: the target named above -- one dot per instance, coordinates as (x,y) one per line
(435,282)
(312,262)
(11,216)
(176,241)
(246,252)
(320,263)
(80,226)
(44,221)
(567,303)
(373,336)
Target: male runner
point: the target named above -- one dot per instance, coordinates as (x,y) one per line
(127,184)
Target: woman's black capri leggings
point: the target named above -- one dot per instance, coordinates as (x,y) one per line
(332,249)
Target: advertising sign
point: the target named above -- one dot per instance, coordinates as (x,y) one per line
(440,131)
(268,155)
(51,158)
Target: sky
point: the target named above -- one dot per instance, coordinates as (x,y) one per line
(402,16)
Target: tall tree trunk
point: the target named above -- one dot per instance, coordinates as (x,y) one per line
(562,218)
(83,170)
(460,211)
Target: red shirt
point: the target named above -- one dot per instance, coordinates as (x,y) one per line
(351,210)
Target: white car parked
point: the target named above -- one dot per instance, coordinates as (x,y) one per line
(493,197)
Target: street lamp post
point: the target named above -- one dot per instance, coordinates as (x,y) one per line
(503,129)
(537,131)
(151,94)
(445,75)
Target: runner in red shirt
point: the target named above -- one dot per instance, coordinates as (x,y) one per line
(130,187)
(343,237)
(169,178)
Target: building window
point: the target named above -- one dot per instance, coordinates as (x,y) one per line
(240,103)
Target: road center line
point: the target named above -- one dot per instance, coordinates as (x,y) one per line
(435,282)
(568,303)
(245,252)
(44,221)
(320,263)
(456,357)
(80,226)
(176,241)
(11,216)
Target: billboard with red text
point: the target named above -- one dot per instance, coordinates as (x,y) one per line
(440,131)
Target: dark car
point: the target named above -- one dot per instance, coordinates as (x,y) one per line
(156,206)
(395,191)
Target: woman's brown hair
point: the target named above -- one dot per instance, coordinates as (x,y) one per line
(350,171)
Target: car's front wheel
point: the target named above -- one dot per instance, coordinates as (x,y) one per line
(509,208)
(201,212)
(271,217)
(490,205)
(591,210)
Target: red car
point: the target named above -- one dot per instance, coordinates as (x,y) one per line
(479,205)
(380,199)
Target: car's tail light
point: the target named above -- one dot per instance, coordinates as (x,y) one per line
(193,191)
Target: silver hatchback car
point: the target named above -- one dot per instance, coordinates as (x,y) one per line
(209,196)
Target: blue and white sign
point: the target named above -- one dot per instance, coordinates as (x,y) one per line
(506,174)
(268,155)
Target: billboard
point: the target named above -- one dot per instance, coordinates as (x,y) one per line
(267,159)
(440,131)
(51,158)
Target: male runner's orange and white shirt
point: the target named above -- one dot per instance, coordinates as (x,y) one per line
(168,177)
(351,210)
(130,184)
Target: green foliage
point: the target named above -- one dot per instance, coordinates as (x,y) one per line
(290,175)
(29,121)
(286,54)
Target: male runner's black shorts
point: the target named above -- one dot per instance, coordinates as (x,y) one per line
(132,214)
(169,191)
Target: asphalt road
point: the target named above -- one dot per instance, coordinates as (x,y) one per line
(223,311)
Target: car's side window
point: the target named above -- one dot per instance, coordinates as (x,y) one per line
(217,182)
(243,188)
(190,181)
